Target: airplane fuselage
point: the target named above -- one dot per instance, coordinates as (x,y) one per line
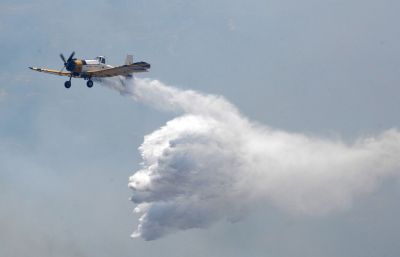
(79,66)
(93,65)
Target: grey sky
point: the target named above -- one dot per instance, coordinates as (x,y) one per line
(318,67)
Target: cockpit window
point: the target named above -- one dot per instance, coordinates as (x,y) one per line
(101,59)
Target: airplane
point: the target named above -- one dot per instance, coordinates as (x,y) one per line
(88,69)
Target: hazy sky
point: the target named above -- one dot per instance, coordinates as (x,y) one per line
(327,68)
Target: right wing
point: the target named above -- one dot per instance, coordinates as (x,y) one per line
(54,72)
(123,70)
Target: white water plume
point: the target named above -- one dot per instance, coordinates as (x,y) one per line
(211,163)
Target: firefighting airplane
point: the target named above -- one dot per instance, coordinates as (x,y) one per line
(88,69)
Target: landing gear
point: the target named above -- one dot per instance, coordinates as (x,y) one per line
(89,83)
(67,84)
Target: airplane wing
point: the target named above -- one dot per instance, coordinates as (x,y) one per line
(123,70)
(55,72)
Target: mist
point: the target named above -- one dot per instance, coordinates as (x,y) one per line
(211,163)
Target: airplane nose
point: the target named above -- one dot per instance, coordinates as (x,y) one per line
(70,66)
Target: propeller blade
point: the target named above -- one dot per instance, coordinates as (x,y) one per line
(71,56)
(63,58)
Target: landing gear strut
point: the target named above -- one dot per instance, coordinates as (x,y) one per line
(67,83)
(89,83)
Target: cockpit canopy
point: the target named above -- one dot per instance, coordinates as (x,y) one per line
(101,59)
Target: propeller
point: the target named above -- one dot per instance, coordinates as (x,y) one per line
(63,58)
(66,61)
(71,56)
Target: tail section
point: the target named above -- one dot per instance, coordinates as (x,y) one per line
(129,60)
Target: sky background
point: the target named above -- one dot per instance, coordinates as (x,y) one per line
(326,68)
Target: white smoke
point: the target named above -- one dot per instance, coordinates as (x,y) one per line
(211,163)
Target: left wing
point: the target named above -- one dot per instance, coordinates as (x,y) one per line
(54,72)
(123,70)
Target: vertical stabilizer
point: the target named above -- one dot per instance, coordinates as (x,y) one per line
(129,59)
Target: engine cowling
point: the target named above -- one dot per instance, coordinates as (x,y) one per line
(74,65)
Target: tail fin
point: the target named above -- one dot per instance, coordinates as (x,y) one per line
(129,59)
